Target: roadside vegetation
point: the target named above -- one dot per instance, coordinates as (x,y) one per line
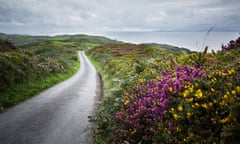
(30,64)
(156,95)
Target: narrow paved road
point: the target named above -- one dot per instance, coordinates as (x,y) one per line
(58,115)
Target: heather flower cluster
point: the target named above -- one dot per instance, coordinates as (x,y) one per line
(205,111)
(144,110)
(187,105)
(233,44)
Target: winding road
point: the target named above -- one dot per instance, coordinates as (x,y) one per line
(58,115)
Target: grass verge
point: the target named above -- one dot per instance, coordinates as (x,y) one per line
(19,92)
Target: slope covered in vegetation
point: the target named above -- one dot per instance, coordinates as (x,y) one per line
(30,64)
(160,96)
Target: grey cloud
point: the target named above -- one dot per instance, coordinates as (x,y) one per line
(101,15)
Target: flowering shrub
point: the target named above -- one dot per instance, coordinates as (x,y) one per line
(185,106)
(204,107)
(232,45)
(144,110)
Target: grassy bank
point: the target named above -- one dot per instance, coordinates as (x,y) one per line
(18,92)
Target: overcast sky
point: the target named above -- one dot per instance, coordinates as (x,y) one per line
(96,16)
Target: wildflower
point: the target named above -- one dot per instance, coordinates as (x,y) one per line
(140,80)
(226,97)
(213,80)
(185,93)
(225,120)
(188,115)
(126,102)
(212,89)
(234,92)
(197,104)
(189,100)
(199,94)
(204,106)
(230,72)
(210,104)
(238,89)
(196,85)
(180,108)
(175,116)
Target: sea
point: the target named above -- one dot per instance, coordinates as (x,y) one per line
(195,41)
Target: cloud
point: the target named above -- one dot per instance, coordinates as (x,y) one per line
(108,15)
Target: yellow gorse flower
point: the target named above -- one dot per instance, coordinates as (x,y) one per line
(126,102)
(188,115)
(180,108)
(199,94)
(238,89)
(225,120)
(205,106)
(175,116)
(189,100)
(140,80)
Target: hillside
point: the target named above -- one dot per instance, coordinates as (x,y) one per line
(28,39)
(154,95)
(30,64)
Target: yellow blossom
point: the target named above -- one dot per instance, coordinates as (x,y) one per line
(238,89)
(225,120)
(185,93)
(197,104)
(231,72)
(126,102)
(234,92)
(213,80)
(170,89)
(175,116)
(180,108)
(199,94)
(190,89)
(188,115)
(196,85)
(210,104)
(189,100)
(204,106)
(212,89)
(140,80)
(226,97)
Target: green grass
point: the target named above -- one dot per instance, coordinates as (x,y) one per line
(19,92)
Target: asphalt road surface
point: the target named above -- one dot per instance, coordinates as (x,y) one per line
(58,115)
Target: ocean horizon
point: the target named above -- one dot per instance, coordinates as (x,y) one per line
(195,41)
